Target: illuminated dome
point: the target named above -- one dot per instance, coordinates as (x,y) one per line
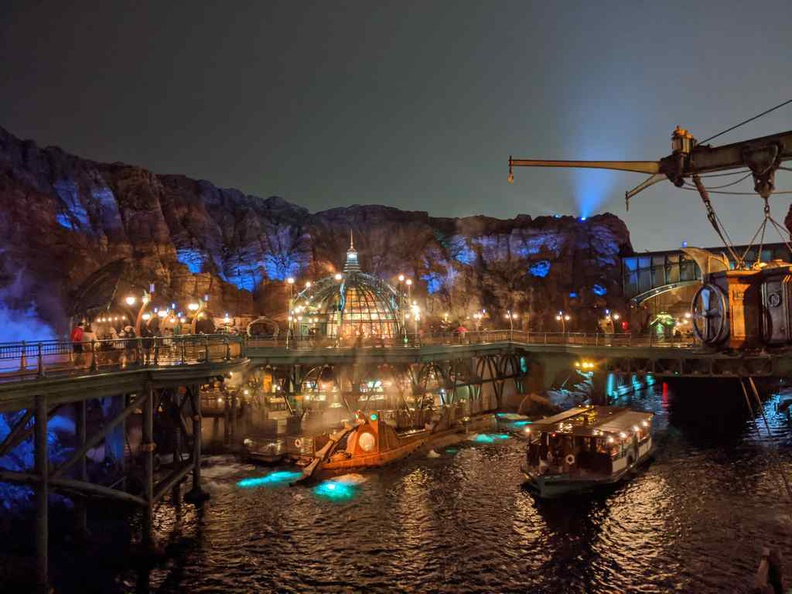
(351,305)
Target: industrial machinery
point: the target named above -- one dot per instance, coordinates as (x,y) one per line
(740,305)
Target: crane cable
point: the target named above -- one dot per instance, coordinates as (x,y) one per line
(713,218)
(756,117)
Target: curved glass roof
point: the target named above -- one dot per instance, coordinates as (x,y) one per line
(356,305)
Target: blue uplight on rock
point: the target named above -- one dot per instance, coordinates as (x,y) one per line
(274,479)
(192,258)
(540,269)
(434,282)
(573,295)
(599,290)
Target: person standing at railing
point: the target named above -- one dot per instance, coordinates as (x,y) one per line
(89,340)
(77,338)
(146,335)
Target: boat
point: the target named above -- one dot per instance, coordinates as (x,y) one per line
(371,442)
(584,448)
(263,449)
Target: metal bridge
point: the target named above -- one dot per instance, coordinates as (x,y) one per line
(161,378)
(649,274)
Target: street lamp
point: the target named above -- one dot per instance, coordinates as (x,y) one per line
(416,313)
(511,317)
(290,282)
(401,303)
(141,315)
(563,318)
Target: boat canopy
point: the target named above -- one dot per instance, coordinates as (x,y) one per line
(591,420)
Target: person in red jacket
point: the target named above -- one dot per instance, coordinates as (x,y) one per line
(77,338)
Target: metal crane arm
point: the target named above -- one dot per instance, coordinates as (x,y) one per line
(761,155)
(636,166)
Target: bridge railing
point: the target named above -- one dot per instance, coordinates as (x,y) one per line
(19,360)
(411,341)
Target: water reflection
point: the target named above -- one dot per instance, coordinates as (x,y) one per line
(694,520)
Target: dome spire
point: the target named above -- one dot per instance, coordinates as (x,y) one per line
(351,264)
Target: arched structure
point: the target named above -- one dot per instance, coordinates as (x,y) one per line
(349,306)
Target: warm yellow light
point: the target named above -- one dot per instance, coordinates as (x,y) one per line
(611,440)
(130,300)
(622,435)
(162,313)
(409,282)
(193,306)
(308,285)
(338,276)
(146,316)
(567,318)
(401,278)
(558,318)
(290,280)
(616,316)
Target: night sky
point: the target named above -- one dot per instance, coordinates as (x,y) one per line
(411,104)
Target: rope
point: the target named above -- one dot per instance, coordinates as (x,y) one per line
(756,117)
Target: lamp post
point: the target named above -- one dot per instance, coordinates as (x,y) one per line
(511,317)
(563,318)
(144,301)
(416,313)
(401,304)
(290,282)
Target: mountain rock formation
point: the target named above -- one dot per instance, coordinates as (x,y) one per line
(77,235)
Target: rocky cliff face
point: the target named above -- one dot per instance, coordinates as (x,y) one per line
(76,234)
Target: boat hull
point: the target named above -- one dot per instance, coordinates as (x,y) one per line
(408,445)
(548,486)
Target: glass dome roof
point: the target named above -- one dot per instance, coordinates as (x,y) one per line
(352,305)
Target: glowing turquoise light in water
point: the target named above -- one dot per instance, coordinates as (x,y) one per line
(485,438)
(335,491)
(521,423)
(374,416)
(277,478)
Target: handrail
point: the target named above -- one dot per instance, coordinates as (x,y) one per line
(413,341)
(39,359)
(22,360)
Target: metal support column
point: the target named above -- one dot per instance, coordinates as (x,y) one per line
(196,494)
(176,403)
(42,494)
(80,506)
(147,448)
